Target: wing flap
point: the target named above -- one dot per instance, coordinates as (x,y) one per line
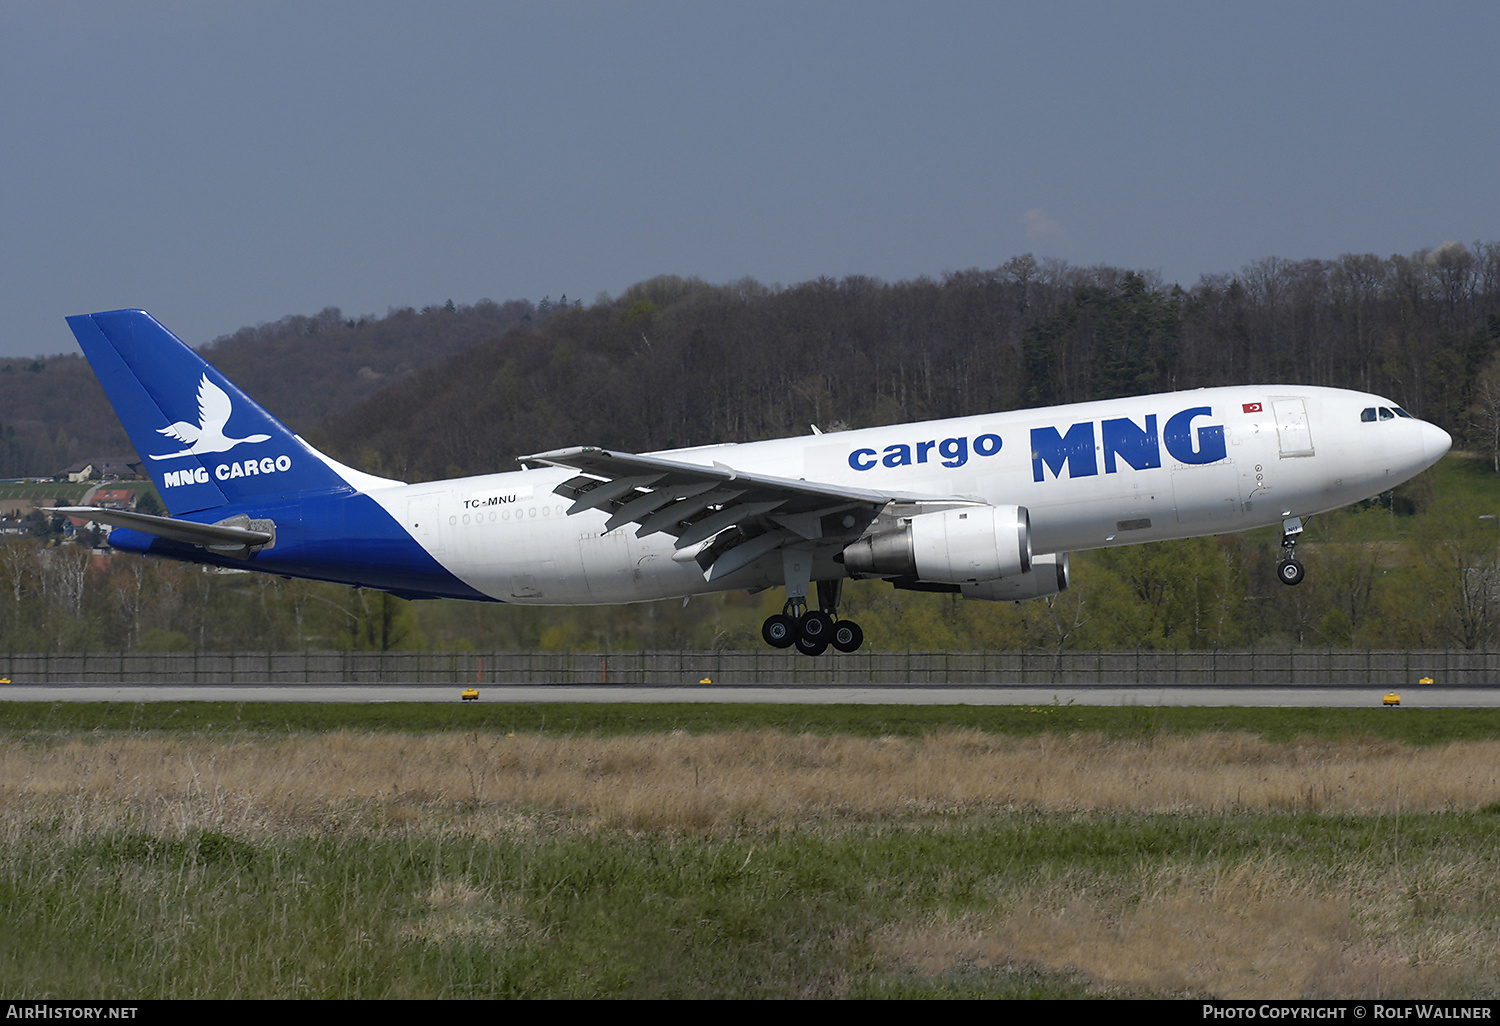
(672,517)
(730,515)
(638,509)
(745,553)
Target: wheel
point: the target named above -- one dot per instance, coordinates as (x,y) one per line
(1290,571)
(815,626)
(812,646)
(847,636)
(779,631)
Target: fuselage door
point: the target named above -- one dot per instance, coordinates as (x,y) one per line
(1292,428)
(422,521)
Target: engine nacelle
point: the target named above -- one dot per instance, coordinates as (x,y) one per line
(954,546)
(1048,576)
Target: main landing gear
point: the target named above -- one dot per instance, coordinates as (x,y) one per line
(813,630)
(1289,570)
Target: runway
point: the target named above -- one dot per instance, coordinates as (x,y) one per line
(1299,696)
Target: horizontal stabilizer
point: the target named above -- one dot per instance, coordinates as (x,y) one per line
(214,536)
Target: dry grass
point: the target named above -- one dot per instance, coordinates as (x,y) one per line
(713,781)
(1254,930)
(461,911)
(1264,927)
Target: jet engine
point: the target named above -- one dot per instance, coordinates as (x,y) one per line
(1048,576)
(954,546)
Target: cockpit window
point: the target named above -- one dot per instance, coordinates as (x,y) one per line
(1370,414)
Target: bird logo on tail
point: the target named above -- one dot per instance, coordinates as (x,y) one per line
(214,409)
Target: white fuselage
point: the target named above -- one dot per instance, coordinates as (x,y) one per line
(1113,472)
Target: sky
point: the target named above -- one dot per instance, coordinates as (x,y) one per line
(228,164)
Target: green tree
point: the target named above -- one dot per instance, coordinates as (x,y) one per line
(1177,594)
(1454,572)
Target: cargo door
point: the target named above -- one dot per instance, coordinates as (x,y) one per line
(1292,428)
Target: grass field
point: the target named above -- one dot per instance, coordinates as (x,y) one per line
(45,492)
(201,850)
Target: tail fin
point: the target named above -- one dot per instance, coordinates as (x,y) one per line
(204,442)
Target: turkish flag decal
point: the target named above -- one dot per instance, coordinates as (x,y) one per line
(1252,407)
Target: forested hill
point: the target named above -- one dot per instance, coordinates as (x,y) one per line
(53,412)
(676,362)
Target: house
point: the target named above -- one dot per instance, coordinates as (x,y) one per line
(114,498)
(103,468)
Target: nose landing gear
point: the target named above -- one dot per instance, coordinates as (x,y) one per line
(1289,570)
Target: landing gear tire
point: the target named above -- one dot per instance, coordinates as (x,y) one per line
(1290,571)
(847,636)
(815,626)
(812,646)
(779,631)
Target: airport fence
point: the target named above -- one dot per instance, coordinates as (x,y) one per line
(1295,666)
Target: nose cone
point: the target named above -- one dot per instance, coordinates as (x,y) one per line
(1435,442)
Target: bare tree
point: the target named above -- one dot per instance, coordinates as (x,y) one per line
(1486,408)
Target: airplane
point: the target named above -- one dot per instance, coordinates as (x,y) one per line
(987,507)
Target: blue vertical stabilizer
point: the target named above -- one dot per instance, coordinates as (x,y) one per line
(205,443)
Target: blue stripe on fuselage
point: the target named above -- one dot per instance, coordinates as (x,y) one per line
(340,536)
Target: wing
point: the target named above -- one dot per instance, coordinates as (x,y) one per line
(735,516)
